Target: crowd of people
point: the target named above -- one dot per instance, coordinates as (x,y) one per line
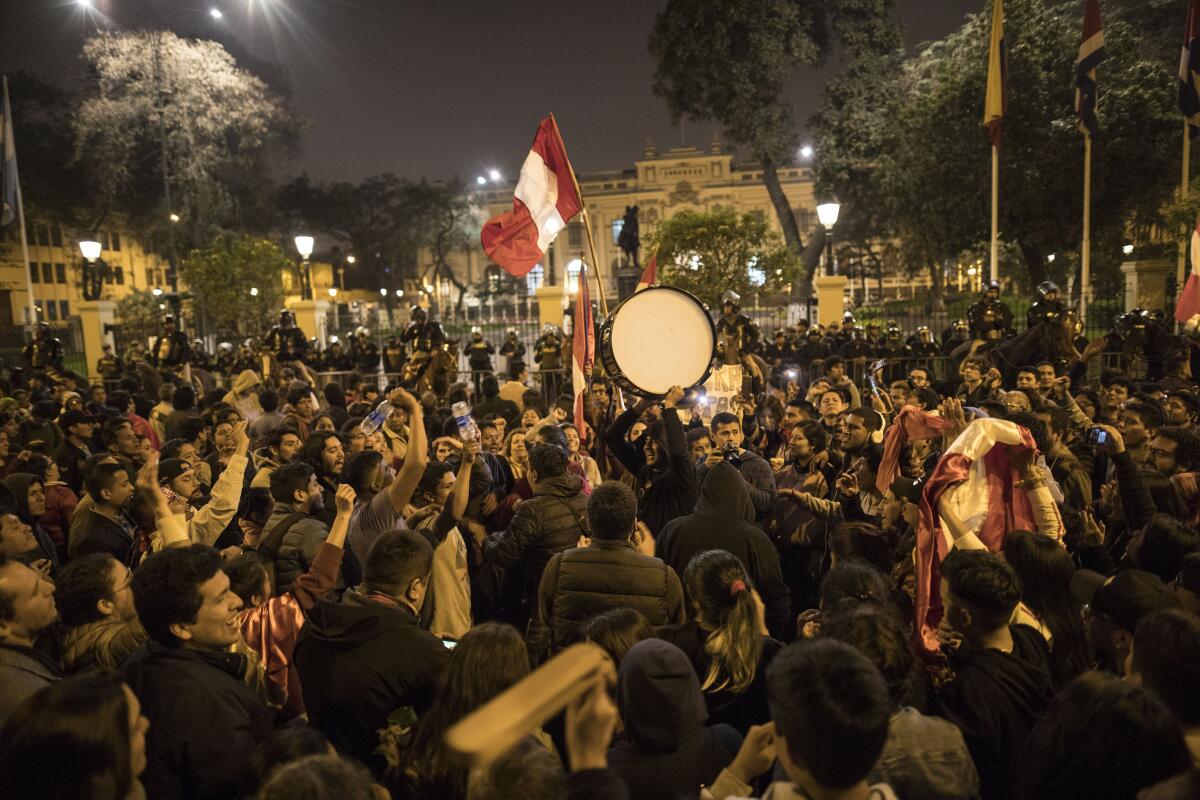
(279,589)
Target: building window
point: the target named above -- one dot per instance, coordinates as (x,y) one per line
(575,234)
(47,273)
(120,275)
(51,310)
(617,225)
(116,242)
(34,274)
(573,275)
(56,236)
(64,309)
(42,234)
(535,279)
(60,273)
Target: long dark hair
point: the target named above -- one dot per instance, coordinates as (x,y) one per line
(1044,571)
(70,740)
(717,581)
(489,659)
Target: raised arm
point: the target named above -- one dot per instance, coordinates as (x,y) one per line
(401,491)
(322,574)
(624,451)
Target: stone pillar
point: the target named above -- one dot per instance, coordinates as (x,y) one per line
(550,305)
(1146,283)
(96,318)
(311,319)
(831,300)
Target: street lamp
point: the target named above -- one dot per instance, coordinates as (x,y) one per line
(1127,249)
(480,180)
(215,13)
(173,217)
(827,213)
(494,175)
(304,246)
(383,292)
(806,152)
(333,291)
(156,291)
(254,291)
(91,250)
(350,259)
(1050,258)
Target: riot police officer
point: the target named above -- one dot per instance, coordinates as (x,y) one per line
(780,352)
(43,352)
(736,334)
(547,353)
(856,348)
(479,354)
(285,341)
(1047,306)
(364,352)
(512,348)
(813,352)
(394,355)
(200,358)
(170,350)
(958,334)
(423,337)
(988,313)
(109,366)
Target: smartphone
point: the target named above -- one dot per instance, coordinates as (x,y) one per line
(1096,436)
(449,644)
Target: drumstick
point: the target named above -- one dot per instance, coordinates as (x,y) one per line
(486,733)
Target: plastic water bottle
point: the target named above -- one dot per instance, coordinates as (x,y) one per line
(376,418)
(468,431)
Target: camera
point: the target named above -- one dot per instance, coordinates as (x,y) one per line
(730,454)
(1096,436)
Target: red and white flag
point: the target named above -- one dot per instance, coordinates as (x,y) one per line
(544,202)
(649,275)
(972,488)
(1189,299)
(583,351)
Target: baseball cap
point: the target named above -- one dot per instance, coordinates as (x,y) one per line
(1124,598)
(76,418)
(171,468)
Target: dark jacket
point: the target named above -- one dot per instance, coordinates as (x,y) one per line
(666,752)
(18,483)
(70,465)
(724,520)
(550,522)
(737,710)
(24,671)
(95,533)
(206,721)
(359,660)
(582,582)
(759,479)
(995,699)
(665,490)
(296,549)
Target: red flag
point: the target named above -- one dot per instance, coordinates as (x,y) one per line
(1189,299)
(649,274)
(544,201)
(583,351)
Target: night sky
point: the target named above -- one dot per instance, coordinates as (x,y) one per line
(436,87)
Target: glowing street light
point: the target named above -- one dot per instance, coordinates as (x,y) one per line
(383,292)
(806,152)
(254,291)
(1127,249)
(173,217)
(399,293)
(1050,258)
(215,13)
(494,175)
(156,291)
(333,291)
(91,250)
(827,213)
(480,180)
(304,246)
(350,259)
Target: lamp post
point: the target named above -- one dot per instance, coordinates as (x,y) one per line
(93,269)
(304,246)
(333,293)
(827,213)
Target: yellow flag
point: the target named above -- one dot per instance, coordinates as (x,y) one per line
(997,80)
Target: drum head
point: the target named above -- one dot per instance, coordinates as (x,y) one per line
(662,337)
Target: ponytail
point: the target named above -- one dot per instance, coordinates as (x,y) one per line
(717,581)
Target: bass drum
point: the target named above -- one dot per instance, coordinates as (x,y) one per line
(655,339)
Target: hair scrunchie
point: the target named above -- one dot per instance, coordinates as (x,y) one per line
(736,587)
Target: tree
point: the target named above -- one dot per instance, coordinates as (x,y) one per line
(160,115)
(139,314)
(222,275)
(707,253)
(450,222)
(728,61)
(929,162)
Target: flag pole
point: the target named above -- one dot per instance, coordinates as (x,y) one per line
(1181,266)
(1085,256)
(995,249)
(32,311)
(587,227)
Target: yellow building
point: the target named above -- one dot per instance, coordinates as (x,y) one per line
(660,184)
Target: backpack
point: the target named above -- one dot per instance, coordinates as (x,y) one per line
(268,546)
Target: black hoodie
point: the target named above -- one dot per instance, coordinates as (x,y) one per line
(995,699)
(724,520)
(361,659)
(667,753)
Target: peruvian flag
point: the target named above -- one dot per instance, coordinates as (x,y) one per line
(1189,299)
(649,275)
(583,351)
(546,199)
(972,488)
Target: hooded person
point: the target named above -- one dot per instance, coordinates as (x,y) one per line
(335,398)
(724,520)
(667,751)
(244,395)
(29,504)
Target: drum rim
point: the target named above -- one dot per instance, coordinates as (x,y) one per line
(604,344)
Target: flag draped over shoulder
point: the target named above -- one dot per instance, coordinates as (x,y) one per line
(649,274)
(544,201)
(985,501)
(1189,67)
(583,351)
(997,81)
(8,163)
(1189,299)
(1091,53)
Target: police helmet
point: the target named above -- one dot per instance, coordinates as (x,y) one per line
(1047,287)
(731,298)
